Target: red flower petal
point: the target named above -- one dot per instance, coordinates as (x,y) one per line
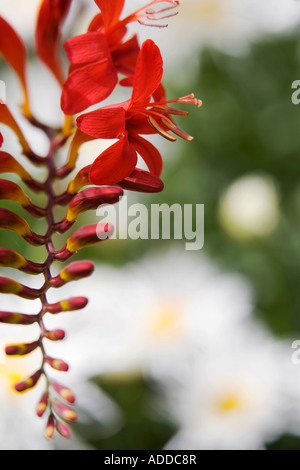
(96,23)
(114,164)
(105,123)
(138,124)
(48,33)
(86,48)
(148,74)
(148,152)
(88,85)
(111,11)
(125,56)
(14,52)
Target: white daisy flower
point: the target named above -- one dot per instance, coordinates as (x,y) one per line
(239,394)
(152,311)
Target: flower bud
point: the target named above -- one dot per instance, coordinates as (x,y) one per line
(63,429)
(83,237)
(64,392)
(142,181)
(42,405)
(55,335)
(11,259)
(21,349)
(8,286)
(17,318)
(26,384)
(50,427)
(64,411)
(69,305)
(57,364)
(90,199)
(15,223)
(73,272)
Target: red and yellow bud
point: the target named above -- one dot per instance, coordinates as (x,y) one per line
(11,221)
(84,237)
(69,305)
(57,364)
(65,411)
(8,286)
(12,192)
(63,429)
(7,118)
(87,236)
(50,427)
(79,139)
(73,272)
(55,335)
(17,318)
(9,164)
(80,180)
(21,349)
(91,199)
(64,392)
(142,181)
(11,259)
(29,383)
(42,405)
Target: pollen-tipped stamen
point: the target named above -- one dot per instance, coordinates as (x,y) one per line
(156,126)
(184,135)
(150,14)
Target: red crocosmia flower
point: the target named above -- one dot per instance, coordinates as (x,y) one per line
(48,34)
(97,56)
(147,112)
(14,52)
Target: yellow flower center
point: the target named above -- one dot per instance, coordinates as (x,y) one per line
(229,403)
(166,321)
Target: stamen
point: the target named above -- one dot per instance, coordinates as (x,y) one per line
(144,13)
(153,123)
(177,131)
(168,110)
(189,99)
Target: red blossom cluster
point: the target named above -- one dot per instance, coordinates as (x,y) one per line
(99,60)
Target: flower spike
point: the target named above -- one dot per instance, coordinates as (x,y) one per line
(99,60)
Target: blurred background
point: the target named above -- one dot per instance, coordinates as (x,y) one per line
(187,349)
